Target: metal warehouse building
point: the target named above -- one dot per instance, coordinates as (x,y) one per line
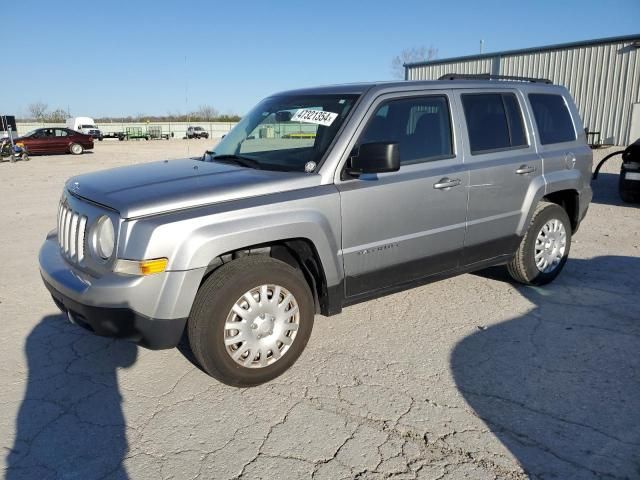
(602,75)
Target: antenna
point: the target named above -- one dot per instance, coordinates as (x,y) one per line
(481,46)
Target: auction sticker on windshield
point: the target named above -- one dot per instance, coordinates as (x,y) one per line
(314,116)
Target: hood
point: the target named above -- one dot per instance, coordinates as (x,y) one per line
(159,187)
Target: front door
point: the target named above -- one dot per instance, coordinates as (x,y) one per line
(403,226)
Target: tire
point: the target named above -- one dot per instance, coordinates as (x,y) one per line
(523,267)
(76,148)
(12,158)
(226,289)
(625,190)
(25,157)
(629,197)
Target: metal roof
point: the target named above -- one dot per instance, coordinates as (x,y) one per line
(558,46)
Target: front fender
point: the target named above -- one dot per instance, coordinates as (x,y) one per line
(193,238)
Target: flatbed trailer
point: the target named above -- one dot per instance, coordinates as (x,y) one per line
(118,135)
(155,133)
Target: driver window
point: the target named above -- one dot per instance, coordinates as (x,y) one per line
(421,126)
(61,133)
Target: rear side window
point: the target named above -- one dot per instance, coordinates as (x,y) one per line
(494,121)
(552,118)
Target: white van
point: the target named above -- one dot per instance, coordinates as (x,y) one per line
(84,125)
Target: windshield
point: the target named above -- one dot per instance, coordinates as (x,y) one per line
(29,134)
(287,132)
(88,126)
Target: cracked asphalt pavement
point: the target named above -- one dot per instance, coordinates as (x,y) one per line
(472,377)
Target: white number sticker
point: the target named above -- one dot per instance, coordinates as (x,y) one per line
(314,116)
(632,176)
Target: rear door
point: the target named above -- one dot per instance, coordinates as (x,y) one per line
(402,226)
(61,141)
(504,168)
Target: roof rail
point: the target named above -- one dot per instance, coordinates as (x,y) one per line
(488,76)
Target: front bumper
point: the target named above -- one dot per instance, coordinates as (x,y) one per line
(151,311)
(121,322)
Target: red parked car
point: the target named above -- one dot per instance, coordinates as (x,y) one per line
(56,140)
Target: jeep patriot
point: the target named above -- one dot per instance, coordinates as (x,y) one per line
(317,199)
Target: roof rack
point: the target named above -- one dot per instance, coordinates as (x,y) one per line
(488,76)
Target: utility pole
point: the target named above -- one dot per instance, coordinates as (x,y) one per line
(481,46)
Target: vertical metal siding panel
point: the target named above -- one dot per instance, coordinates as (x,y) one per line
(616,117)
(635,90)
(594,81)
(605,119)
(582,97)
(607,99)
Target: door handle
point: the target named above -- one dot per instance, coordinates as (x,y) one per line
(447,183)
(524,169)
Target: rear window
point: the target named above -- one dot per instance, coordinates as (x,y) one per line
(494,121)
(552,118)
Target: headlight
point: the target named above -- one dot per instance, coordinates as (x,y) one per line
(103,238)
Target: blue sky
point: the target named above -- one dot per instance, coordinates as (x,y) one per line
(127,58)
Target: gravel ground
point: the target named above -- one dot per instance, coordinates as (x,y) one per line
(472,377)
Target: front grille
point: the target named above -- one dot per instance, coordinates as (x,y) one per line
(71,233)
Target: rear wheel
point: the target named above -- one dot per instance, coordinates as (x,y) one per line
(76,148)
(544,248)
(251,320)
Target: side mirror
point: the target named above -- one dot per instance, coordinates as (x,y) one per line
(378,157)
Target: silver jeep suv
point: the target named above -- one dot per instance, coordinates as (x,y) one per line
(321,198)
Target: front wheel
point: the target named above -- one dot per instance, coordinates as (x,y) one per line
(251,320)
(544,248)
(76,148)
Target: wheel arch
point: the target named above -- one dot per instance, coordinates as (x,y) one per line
(300,253)
(569,200)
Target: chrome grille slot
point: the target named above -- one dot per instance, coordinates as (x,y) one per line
(71,233)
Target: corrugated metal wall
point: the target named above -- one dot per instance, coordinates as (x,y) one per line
(604,79)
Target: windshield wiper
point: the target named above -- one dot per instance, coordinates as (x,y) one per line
(238,159)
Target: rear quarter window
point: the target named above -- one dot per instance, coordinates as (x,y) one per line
(552,118)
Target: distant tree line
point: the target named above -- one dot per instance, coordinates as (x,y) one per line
(411,55)
(39,112)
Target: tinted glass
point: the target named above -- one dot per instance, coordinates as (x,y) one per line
(514,117)
(486,122)
(421,126)
(61,133)
(552,118)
